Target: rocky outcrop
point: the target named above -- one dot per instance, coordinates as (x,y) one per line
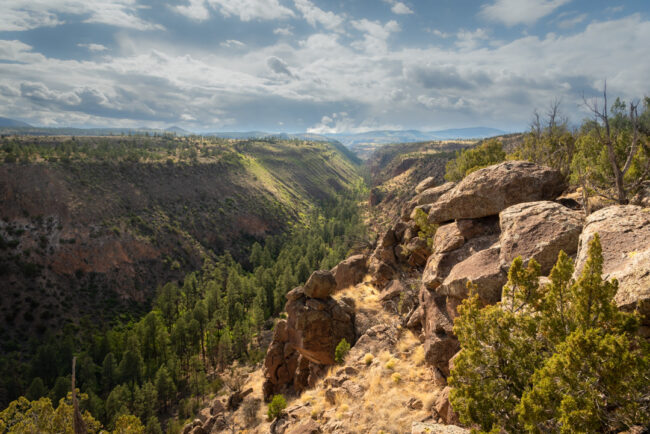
(624,232)
(321,284)
(439,264)
(483,269)
(316,326)
(425,197)
(425,184)
(350,271)
(306,340)
(538,230)
(490,190)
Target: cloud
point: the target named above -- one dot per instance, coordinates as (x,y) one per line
(375,35)
(19,15)
(513,12)
(438,33)
(468,40)
(367,82)
(571,22)
(195,10)
(232,43)
(284,31)
(93,47)
(315,15)
(398,7)
(278,66)
(249,10)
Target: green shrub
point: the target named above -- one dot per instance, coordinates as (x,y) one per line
(277,404)
(341,350)
(469,160)
(558,357)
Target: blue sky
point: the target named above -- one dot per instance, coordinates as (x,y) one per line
(318,66)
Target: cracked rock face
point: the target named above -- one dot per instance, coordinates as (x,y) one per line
(538,230)
(490,190)
(624,232)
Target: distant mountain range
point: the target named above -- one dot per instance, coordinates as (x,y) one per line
(6,122)
(403,136)
(380,137)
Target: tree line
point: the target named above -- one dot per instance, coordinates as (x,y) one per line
(170,358)
(607,156)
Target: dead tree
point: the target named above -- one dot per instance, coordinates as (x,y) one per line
(77,421)
(606,137)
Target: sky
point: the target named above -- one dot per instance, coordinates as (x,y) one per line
(320,66)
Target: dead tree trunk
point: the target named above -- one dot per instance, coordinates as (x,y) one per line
(77,421)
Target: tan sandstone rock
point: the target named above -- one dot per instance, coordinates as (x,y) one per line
(539,230)
(624,232)
(490,190)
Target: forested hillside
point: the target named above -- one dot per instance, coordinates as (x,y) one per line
(92,226)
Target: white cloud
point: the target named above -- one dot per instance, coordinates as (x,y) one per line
(513,12)
(438,33)
(373,84)
(232,43)
(469,40)
(284,31)
(375,35)
(315,15)
(571,22)
(195,10)
(398,7)
(93,47)
(249,10)
(401,9)
(19,15)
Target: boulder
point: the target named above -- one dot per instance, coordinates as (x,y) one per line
(624,232)
(431,195)
(439,265)
(483,269)
(442,406)
(321,284)
(425,198)
(447,238)
(316,326)
(426,183)
(380,271)
(308,426)
(393,290)
(538,230)
(490,190)
(350,271)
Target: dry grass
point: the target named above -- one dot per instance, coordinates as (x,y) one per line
(390,379)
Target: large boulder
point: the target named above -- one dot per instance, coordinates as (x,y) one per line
(431,195)
(321,284)
(483,269)
(350,271)
(490,190)
(425,198)
(440,264)
(426,183)
(624,232)
(316,326)
(539,230)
